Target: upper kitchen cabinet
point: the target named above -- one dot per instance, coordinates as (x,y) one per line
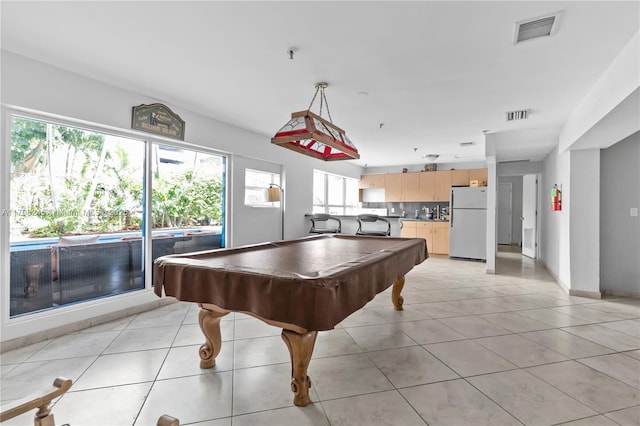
(427,185)
(460,177)
(411,187)
(371,181)
(478,174)
(393,187)
(464,177)
(443,185)
(434,186)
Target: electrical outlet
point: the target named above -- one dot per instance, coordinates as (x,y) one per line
(633,212)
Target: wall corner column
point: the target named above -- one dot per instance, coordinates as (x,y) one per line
(492,203)
(584,223)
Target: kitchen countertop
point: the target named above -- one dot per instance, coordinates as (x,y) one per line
(354,216)
(408,219)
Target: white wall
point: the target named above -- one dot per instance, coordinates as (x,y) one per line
(265,221)
(619,231)
(519,169)
(584,222)
(554,241)
(37,87)
(609,111)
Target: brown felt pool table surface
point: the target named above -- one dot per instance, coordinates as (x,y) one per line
(313,282)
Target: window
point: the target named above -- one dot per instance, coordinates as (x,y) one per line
(74,195)
(256,183)
(187,201)
(333,194)
(77,211)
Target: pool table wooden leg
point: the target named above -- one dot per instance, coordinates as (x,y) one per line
(300,348)
(395,294)
(210,325)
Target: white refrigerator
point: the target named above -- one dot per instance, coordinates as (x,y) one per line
(468,222)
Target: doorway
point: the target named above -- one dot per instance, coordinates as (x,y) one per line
(505,211)
(529,215)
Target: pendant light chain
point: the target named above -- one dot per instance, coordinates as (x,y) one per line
(327,103)
(314,97)
(323,99)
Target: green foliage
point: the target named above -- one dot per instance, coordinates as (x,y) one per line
(28,143)
(55,175)
(183,200)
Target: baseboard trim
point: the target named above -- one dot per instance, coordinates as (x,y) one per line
(82,324)
(616,293)
(585,293)
(571,291)
(558,281)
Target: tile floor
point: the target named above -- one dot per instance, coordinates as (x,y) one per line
(469,349)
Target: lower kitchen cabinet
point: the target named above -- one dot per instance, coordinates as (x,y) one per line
(436,234)
(440,235)
(408,229)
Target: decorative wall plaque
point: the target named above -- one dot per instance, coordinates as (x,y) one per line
(157,119)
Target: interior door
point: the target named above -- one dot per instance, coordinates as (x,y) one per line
(529,215)
(504,213)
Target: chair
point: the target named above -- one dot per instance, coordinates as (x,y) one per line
(322,223)
(371,224)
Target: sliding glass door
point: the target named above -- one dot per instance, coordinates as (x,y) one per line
(77,211)
(188,201)
(74,195)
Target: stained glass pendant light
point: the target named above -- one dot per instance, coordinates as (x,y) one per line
(310,134)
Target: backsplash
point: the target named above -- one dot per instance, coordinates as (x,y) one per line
(409,208)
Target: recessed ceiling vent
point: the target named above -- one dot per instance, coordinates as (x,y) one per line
(542,26)
(465,144)
(522,114)
(513,161)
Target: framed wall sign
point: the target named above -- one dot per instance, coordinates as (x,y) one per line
(157,119)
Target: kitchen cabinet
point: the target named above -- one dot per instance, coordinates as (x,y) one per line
(420,186)
(442,186)
(435,233)
(464,177)
(440,236)
(408,229)
(435,186)
(371,181)
(411,187)
(427,185)
(460,177)
(478,174)
(393,187)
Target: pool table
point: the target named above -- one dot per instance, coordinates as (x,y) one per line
(303,286)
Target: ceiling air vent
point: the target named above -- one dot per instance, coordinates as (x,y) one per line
(513,161)
(465,144)
(522,114)
(542,26)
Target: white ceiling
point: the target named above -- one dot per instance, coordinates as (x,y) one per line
(435,73)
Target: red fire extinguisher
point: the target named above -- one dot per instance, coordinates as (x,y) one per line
(556,198)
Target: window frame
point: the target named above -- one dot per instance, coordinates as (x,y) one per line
(326,206)
(134,298)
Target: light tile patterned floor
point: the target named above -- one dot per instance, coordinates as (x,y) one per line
(469,349)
